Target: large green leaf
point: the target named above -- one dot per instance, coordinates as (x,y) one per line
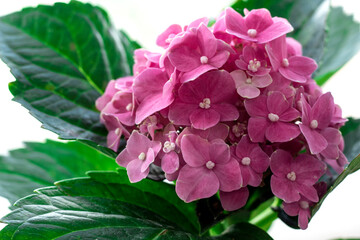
(106,206)
(327,34)
(62,57)
(41,164)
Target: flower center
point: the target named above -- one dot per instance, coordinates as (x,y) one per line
(248,81)
(246,161)
(142,156)
(238,129)
(204,59)
(304,204)
(168,146)
(252,33)
(285,62)
(129,107)
(117,131)
(254,65)
(205,103)
(291,176)
(273,117)
(314,124)
(210,165)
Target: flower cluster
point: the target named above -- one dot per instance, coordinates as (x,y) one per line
(223,105)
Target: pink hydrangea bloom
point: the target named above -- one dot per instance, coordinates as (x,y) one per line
(198,52)
(295,68)
(292,177)
(248,86)
(299,208)
(205,102)
(139,153)
(153,91)
(216,102)
(253,61)
(315,119)
(115,131)
(257,26)
(271,117)
(253,161)
(122,107)
(208,168)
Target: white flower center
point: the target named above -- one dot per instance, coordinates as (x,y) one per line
(252,33)
(204,59)
(210,165)
(117,131)
(273,117)
(254,65)
(285,62)
(129,107)
(246,161)
(205,103)
(142,156)
(314,124)
(248,81)
(304,204)
(291,176)
(168,147)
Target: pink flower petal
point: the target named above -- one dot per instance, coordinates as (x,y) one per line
(316,141)
(219,59)
(282,132)
(257,107)
(323,110)
(180,112)
(303,219)
(150,157)
(257,128)
(277,29)
(134,171)
(284,189)
(207,41)
(204,119)
(277,103)
(196,183)
(170,162)
(195,73)
(261,81)
(184,58)
(195,150)
(219,152)
(228,112)
(248,91)
(235,200)
(228,175)
(280,162)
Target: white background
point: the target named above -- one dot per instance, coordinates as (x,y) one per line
(144,20)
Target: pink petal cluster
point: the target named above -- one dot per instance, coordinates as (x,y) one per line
(223,107)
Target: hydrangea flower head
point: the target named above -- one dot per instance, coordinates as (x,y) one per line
(228,109)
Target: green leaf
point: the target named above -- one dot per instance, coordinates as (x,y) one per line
(327,34)
(351,134)
(62,57)
(106,206)
(342,42)
(243,231)
(41,164)
(156,196)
